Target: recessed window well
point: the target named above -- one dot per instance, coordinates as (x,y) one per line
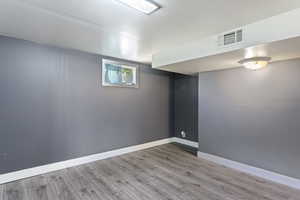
(145,6)
(119,74)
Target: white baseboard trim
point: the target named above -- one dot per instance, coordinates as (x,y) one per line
(268,175)
(185,142)
(27,173)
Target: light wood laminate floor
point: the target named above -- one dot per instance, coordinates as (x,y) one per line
(160,173)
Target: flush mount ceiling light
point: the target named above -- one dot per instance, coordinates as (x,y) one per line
(145,6)
(255,63)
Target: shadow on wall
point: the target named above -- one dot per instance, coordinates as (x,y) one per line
(186,107)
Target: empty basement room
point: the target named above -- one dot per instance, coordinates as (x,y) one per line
(149,100)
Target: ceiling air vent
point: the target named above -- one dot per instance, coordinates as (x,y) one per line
(230,38)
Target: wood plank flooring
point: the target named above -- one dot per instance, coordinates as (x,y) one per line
(160,173)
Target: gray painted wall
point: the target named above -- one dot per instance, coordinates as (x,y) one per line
(253,116)
(52,107)
(186,106)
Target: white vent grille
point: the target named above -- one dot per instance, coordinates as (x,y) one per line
(230,38)
(239,36)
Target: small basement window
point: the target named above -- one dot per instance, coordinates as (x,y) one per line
(119,74)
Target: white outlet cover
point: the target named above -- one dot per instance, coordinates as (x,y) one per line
(183,134)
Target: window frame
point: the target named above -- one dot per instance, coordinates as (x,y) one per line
(122,63)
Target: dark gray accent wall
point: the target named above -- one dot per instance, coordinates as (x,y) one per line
(186,106)
(253,117)
(53,107)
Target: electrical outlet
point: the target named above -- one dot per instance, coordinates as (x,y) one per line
(183,134)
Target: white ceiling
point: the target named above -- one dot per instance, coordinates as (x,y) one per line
(278,51)
(109,28)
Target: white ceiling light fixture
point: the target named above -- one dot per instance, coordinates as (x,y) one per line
(255,63)
(145,6)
